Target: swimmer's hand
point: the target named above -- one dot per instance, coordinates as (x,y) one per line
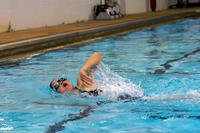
(84,79)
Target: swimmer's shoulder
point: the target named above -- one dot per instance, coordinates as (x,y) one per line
(84,88)
(90,91)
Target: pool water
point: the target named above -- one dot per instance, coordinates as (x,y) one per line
(161,62)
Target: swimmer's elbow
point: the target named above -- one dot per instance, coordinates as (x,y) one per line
(98,55)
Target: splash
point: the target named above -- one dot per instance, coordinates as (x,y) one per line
(113,85)
(6,129)
(191,94)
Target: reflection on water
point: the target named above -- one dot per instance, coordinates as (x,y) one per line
(157,66)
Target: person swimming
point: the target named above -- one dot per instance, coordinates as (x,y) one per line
(84,79)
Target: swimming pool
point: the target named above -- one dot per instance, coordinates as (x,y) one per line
(162,61)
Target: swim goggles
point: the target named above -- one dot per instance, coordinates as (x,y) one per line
(56,85)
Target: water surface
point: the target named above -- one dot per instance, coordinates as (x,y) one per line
(163,61)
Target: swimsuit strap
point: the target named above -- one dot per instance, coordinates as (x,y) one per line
(94,92)
(81,91)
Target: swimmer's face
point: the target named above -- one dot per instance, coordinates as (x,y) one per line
(61,85)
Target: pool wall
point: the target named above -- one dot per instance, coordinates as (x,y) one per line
(20,49)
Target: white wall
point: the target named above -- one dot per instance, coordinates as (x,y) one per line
(37,13)
(138,6)
(135,6)
(122,4)
(23,14)
(162,4)
(5,15)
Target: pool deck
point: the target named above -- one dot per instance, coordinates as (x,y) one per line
(27,42)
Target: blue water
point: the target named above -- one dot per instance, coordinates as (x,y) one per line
(163,61)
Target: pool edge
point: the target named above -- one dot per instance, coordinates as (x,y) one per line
(30,47)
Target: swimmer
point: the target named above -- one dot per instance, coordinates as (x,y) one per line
(84,79)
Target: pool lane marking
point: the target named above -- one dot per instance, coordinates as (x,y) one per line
(59,126)
(180,116)
(167,65)
(60,104)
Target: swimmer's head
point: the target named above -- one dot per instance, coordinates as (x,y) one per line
(61,85)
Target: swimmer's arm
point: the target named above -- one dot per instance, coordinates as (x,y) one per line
(83,78)
(91,62)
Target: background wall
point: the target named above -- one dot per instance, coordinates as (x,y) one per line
(23,14)
(135,6)
(5,14)
(162,4)
(138,6)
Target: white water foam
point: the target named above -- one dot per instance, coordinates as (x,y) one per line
(191,94)
(113,85)
(6,128)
